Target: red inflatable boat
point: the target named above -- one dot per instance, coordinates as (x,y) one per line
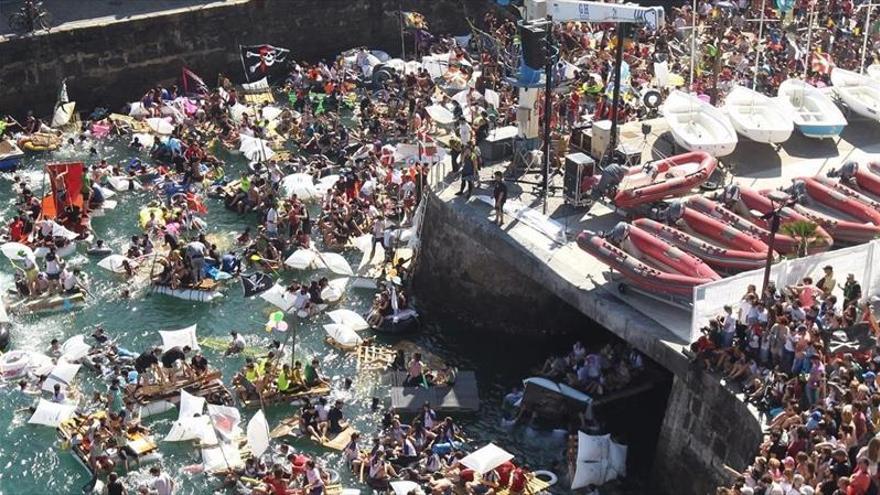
(647,262)
(760,201)
(782,243)
(846,218)
(724,249)
(843,188)
(673,176)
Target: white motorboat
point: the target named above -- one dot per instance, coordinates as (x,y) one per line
(813,112)
(859,92)
(698,126)
(757,116)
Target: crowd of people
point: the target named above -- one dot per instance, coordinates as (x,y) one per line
(816,391)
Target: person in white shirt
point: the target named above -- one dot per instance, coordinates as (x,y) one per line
(301,299)
(237,345)
(272,221)
(728,327)
(162,484)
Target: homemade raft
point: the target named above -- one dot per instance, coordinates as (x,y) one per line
(462,396)
(268,398)
(140,445)
(156,398)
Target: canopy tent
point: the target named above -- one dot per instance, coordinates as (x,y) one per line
(52,414)
(180,338)
(62,374)
(258,434)
(343,334)
(74,349)
(348,318)
(279,297)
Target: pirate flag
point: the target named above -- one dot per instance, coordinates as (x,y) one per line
(256,283)
(263,61)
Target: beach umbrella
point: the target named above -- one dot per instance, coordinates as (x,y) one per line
(303,185)
(348,318)
(255,149)
(17,251)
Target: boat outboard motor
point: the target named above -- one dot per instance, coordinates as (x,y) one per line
(798,191)
(731,194)
(619,233)
(673,212)
(611,177)
(4,337)
(846,173)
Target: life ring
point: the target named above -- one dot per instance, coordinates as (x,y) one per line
(546,476)
(333,476)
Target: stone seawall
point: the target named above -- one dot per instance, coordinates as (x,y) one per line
(111,63)
(469,268)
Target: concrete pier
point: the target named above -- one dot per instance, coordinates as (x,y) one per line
(521,279)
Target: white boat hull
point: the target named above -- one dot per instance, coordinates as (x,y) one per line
(860,93)
(188,294)
(814,113)
(757,117)
(698,126)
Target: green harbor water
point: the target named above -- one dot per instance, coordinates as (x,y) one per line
(31,460)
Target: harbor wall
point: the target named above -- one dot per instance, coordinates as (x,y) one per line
(468,267)
(112,62)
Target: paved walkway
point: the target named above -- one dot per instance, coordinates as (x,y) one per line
(73,13)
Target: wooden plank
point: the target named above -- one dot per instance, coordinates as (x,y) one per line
(340,440)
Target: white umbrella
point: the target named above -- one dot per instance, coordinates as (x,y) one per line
(303,185)
(17,251)
(255,149)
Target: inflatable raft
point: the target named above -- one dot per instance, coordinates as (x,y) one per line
(188,294)
(405,321)
(40,141)
(648,262)
(10,155)
(728,250)
(674,176)
(748,200)
(846,218)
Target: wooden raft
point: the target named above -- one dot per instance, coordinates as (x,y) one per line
(205,384)
(534,486)
(276,398)
(259,98)
(374,357)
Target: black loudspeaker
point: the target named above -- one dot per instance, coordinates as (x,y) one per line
(533,37)
(577,166)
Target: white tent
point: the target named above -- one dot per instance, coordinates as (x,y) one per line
(486,458)
(52,414)
(179,338)
(348,318)
(62,374)
(343,334)
(75,348)
(116,263)
(258,434)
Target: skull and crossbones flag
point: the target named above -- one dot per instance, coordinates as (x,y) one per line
(261,61)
